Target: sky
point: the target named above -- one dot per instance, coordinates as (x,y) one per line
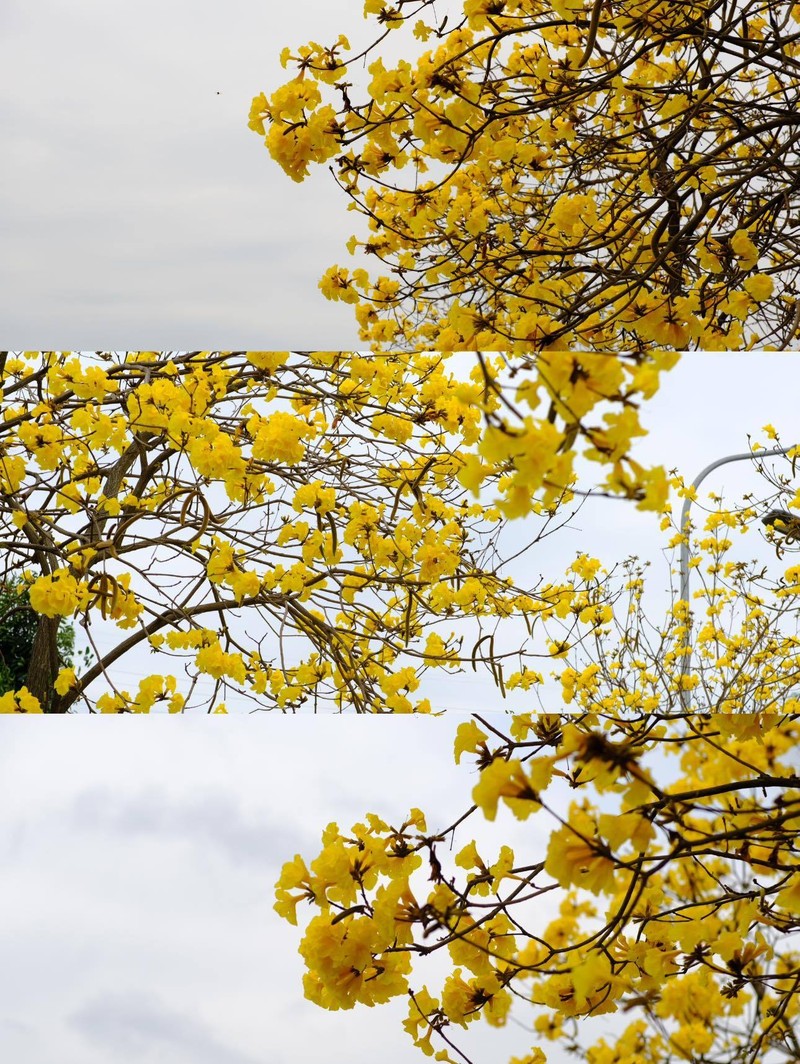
(139,860)
(138,210)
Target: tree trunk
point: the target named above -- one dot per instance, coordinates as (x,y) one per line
(43,667)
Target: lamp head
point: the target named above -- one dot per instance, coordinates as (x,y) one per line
(780,517)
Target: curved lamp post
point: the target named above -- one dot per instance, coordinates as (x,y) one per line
(772,517)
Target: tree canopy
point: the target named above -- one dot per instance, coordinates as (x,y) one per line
(661,883)
(608,175)
(303,529)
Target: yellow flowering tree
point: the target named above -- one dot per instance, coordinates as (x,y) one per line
(301,528)
(666,896)
(610,175)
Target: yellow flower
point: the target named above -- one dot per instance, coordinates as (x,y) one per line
(789,897)
(576,861)
(279,438)
(468,738)
(55,595)
(707,259)
(338,284)
(738,305)
(585,567)
(472,473)
(244,584)
(592,979)
(12,473)
(314,496)
(571,212)
(215,662)
(507,780)
(393,428)
(760,286)
(44,441)
(744,249)
(216,457)
(437,560)
(694,1039)
(627,827)
(259,110)
(268,360)
(21,701)
(65,681)
(420,1006)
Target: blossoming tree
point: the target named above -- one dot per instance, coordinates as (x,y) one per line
(667,894)
(608,174)
(291,527)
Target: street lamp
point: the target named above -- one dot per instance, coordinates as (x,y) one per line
(788,524)
(774,517)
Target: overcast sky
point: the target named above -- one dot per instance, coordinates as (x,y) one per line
(139,859)
(137,208)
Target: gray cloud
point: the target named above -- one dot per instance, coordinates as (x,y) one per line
(213,820)
(138,1026)
(17,1027)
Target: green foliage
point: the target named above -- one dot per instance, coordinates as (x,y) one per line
(18,623)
